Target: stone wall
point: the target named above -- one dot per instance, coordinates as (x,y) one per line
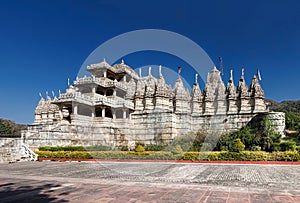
(11,149)
(147,127)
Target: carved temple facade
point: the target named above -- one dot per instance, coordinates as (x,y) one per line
(116,106)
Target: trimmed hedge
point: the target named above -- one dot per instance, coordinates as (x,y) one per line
(75,148)
(161,155)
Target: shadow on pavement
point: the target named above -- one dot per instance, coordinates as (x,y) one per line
(14,192)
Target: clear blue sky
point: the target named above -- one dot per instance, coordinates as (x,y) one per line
(42,43)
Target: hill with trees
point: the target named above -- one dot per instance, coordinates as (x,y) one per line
(9,128)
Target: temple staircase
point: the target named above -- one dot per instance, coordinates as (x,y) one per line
(14,150)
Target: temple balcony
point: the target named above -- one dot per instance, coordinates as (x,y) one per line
(103,81)
(113,101)
(76,96)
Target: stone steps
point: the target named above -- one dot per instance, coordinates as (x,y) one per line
(11,150)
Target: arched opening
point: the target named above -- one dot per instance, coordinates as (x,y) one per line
(100,90)
(98,111)
(109,92)
(108,113)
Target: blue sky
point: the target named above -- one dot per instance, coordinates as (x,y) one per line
(42,43)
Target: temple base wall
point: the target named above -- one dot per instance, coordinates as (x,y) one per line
(146,127)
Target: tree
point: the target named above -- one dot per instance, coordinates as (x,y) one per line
(268,136)
(248,136)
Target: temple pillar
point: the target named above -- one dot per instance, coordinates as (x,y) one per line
(115,92)
(113,113)
(75,109)
(93,112)
(124,113)
(94,89)
(105,73)
(103,112)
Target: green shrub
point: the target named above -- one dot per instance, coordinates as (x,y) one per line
(275,147)
(237,146)
(139,148)
(154,147)
(298,149)
(177,149)
(288,146)
(123,148)
(285,156)
(98,148)
(62,148)
(162,155)
(256,148)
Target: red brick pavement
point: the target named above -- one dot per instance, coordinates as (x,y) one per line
(35,190)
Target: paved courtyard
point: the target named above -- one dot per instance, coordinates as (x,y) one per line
(147,182)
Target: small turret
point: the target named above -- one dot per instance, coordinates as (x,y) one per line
(196,106)
(181,96)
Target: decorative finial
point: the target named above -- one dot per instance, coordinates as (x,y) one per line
(196,78)
(122,62)
(179,71)
(160,73)
(41,95)
(243,72)
(104,60)
(215,68)
(149,70)
(258,74)
(221,65)
(68,82)
(231,75)
(59,92)
(53,94)
(140,72)
(47,95)
(77,78)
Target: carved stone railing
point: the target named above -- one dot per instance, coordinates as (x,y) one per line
(104,82)
(97,98)
(29,153)
(80,97)
(113,101)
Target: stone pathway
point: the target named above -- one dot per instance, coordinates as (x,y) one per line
(147,182)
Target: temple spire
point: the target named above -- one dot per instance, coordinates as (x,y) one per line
(140,72)
(68,82)
(149,71)
(196,78)
(122,62)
